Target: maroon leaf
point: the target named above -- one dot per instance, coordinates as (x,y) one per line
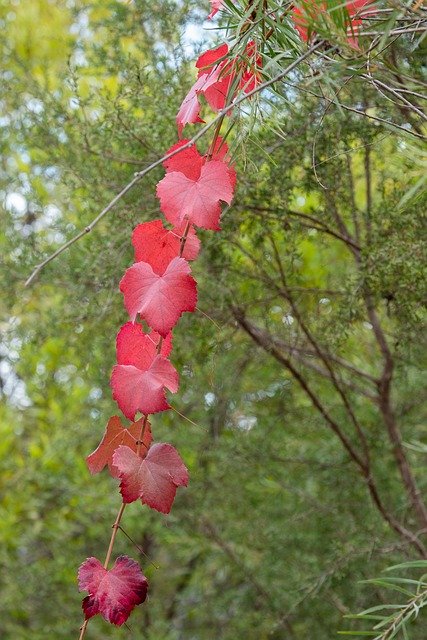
(112,593)
(154,479)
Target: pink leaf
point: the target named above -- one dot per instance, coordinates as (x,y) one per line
(154,479)
(115,435)
(143,390)
(190,109)
(139,379)
(196,200)
(155,244)
(112,593)
(188,161)
(216,5)
(138,348)
(159,299)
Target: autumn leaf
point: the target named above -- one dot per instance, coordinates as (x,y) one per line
(197,201)
(189,111)
(159,299)
(155,479)
(139,379)
(190,162)
(112,593)
(219,79)
(216,5)
(117,434)
(134,346)
(157,246)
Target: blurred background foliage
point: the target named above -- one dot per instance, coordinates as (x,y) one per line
(276,530)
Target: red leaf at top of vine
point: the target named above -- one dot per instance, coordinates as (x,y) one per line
(112,593)
(155,479)
(219,78)
(117,434)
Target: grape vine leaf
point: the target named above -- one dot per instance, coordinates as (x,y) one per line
(189,111)
(216,5)
(117,434)
(155,244)
(134,346)
(198,201)
(190,162)
(139,379)
(155,479)
(112,593)
(218,81)
(159,299)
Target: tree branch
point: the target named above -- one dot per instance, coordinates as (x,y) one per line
(262,340)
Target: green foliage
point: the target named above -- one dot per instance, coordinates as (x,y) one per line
(395,620)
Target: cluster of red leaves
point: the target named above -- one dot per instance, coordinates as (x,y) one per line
(219,79)
(307,12)
(157,289)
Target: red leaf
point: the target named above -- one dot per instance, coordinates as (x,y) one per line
(112,593)
(154,479)
(155,244)
(216,5)
(218,90)
(190,109)
(216,78)
(138,348)
(139,379)
(188,161)
(220,152)
(115,435)
(206,61)
(159,299)
(196,200)
(143,390)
